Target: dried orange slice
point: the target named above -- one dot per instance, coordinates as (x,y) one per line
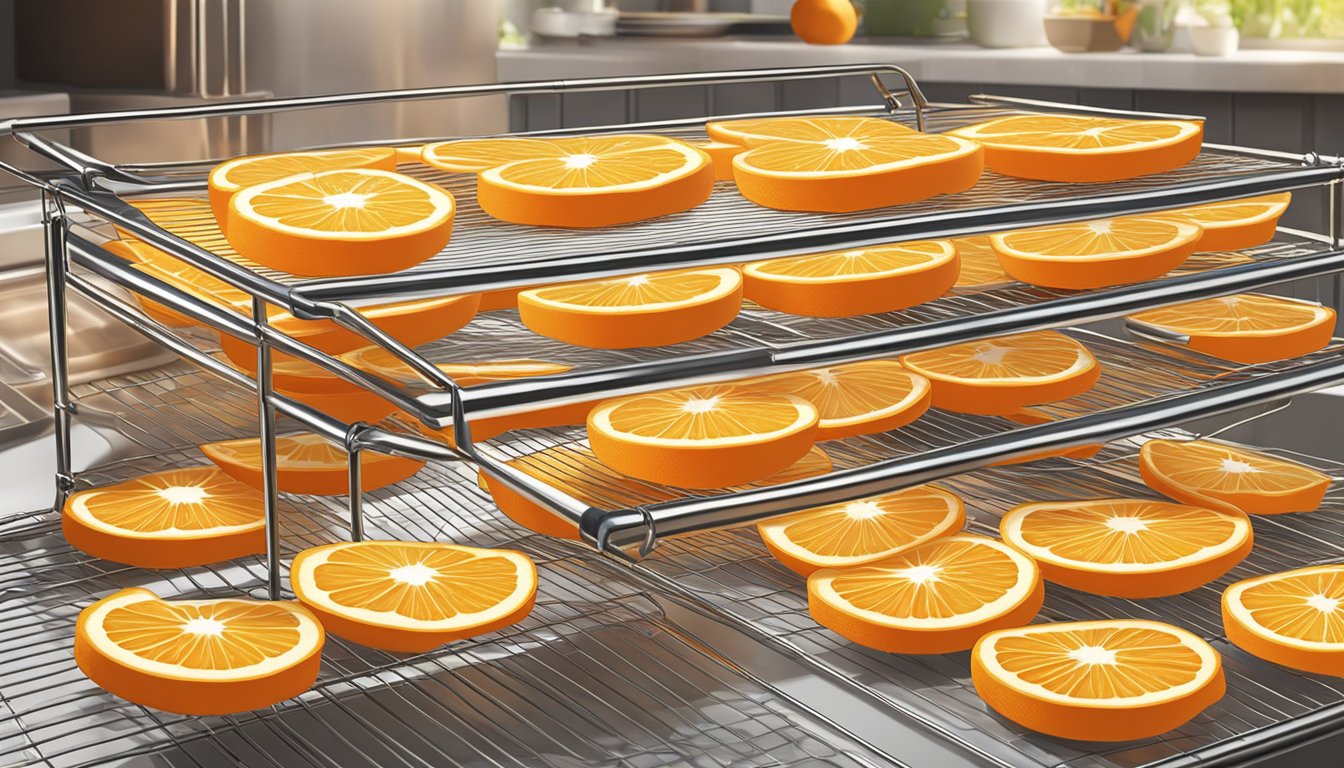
(198,657)
(340,223)
(863,281)
(380,362)
(638,311)
(306,463)
(413,597)
(753,132)
(348,407)
(1096,254)
(853,169)
(721,154)
(939,597)
(414,322)
(589,181)
(856,398)
(1128,547)
(1236,224)
(1294,618)
(172,519)
(1001,376)
(1205,473)
(582,476)
(1033,417)
(863,531)
(230,177)
(198,283)
(1245,328)
(1079,148)
(702,437)
(1112,680)
(980,265)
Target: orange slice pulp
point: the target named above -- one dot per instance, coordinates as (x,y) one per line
(939,597)
(1080,148)
(862,281)
(1245,328)
(1001,376)
(1205,473)
(1129,547)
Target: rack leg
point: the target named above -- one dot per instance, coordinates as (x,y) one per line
(1336,210)
(356,496)
(63,408)
(266,430)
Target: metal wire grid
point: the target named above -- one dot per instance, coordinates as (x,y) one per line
(481,240)
(733,572)
(1132,372)
(597,675)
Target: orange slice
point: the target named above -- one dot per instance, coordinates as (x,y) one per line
(380,362)
(1128,547)
(198,657)
(1205,473)
(413,323)
(1236,224)
(1078,148)
(173,519)
(1245,328)
(476,155)
(854,169)
(230,177)
(184,277)
(863,531)
(569,415)
(864,281)
(504,298)
(413,597)
(340,223)
(307,463)
(1112,680)
(980,265)
(1096,254)
(702,437)
(939,597)
(579,474)
(590,181)
(347,407)
(1001,376)
(1078,453)
(1294,618)
(638,311)
(754,132)
(856,398)
(721,154)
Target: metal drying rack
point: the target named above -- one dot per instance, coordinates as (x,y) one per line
(86,195)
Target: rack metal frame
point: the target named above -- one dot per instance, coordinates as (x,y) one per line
(95,188)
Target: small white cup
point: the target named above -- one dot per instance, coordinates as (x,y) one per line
(1214,41)
(1006,23)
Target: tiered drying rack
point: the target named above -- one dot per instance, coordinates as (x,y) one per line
(1147,385)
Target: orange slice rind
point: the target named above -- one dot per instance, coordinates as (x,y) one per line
(1206,473)
(413,597)
(198,657)
(861,281)
(173,519)
(1128,547)
(1245,328)
(1096,254)
(864,531)
(647,310)
(1003,375)
(1111,680)
(856,398)
(1080,148)
(306,463)
(1294,618)
(340,223)
(702,437)
(939,597)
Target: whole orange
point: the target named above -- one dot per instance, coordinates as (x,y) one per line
(824,22)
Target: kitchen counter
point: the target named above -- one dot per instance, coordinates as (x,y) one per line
(1263,71)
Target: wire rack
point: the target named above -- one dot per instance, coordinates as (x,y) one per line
(733,572)
(598,675)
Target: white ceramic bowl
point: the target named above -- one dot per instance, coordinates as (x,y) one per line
(1006,23)
(1214,41)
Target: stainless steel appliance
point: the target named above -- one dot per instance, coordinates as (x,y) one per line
(667,636)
